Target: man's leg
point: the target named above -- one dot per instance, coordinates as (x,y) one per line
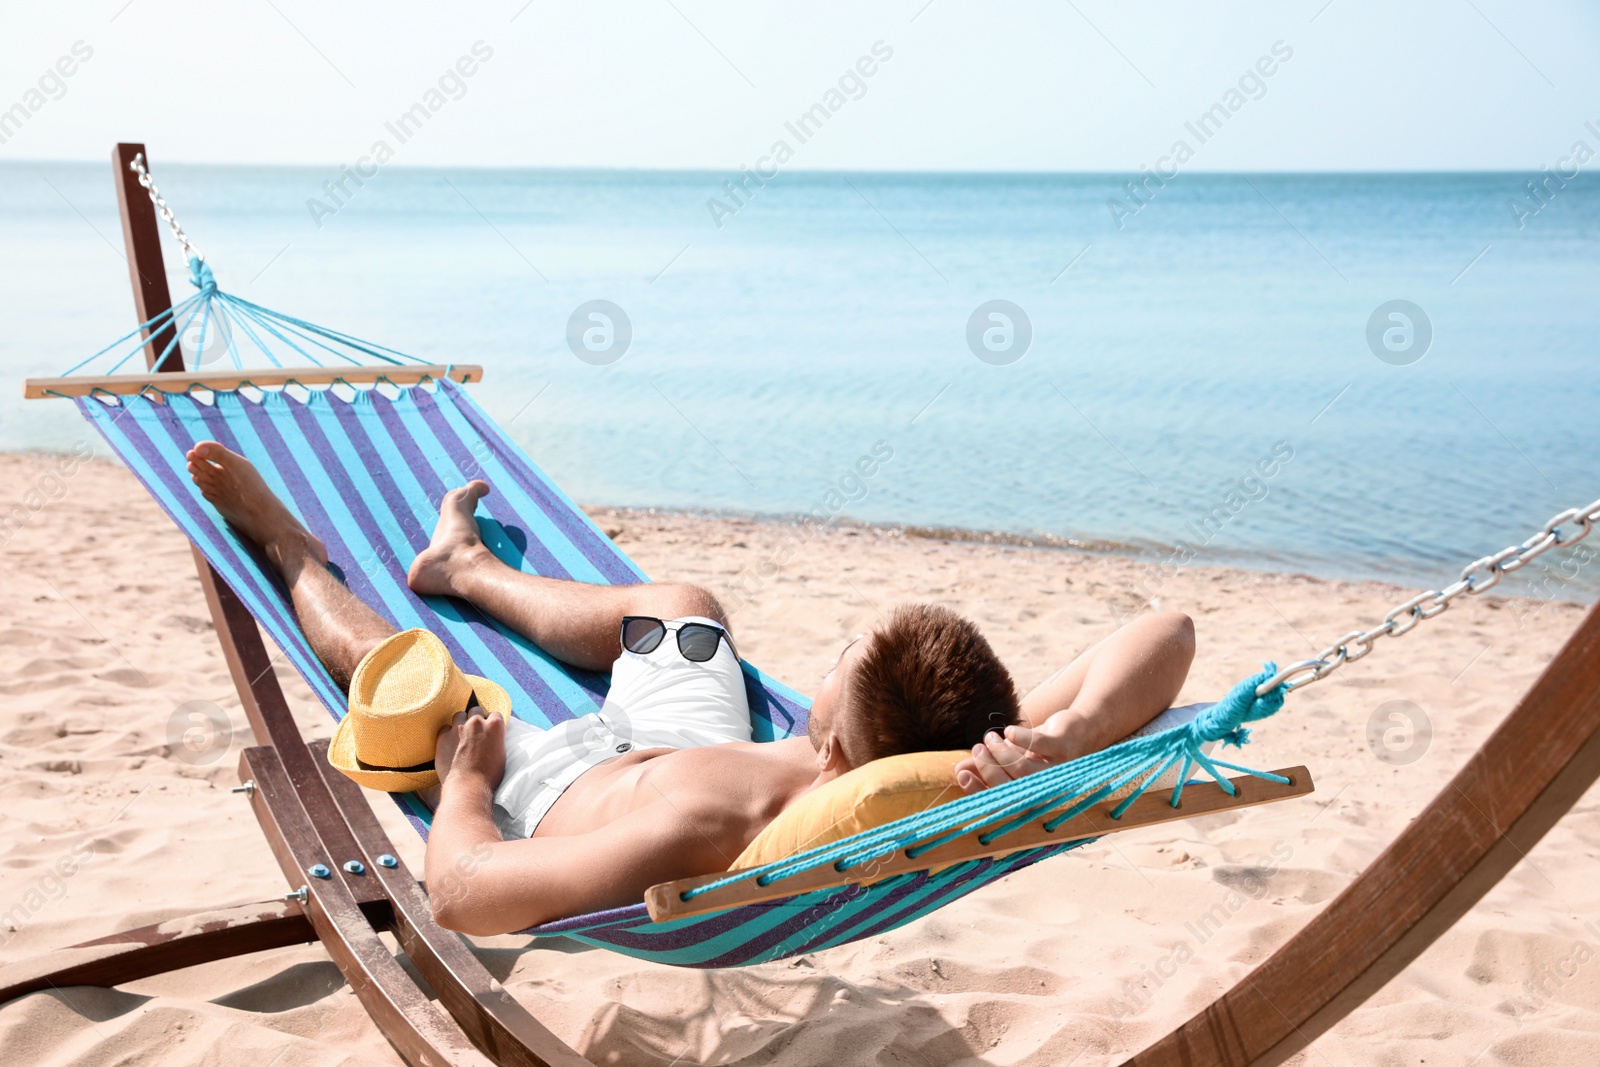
(575,622)
(340,628)
(1096,700)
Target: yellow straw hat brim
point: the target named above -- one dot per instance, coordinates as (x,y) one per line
(342,749)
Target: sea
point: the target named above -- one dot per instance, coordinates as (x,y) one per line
(1349,375)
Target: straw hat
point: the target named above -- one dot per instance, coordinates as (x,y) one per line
(403,693)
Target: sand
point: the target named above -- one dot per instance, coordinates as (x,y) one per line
(107,821)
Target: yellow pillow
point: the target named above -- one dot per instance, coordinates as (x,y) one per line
(880,792)
(896,786)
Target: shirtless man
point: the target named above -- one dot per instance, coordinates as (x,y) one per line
(547,829)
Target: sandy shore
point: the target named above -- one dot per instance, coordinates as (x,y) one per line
(104,635)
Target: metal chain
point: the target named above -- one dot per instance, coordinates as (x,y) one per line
(189,249)
(1403,618)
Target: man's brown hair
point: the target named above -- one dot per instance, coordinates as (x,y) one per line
(927,681)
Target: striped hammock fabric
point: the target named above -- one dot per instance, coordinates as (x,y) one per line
(366,474)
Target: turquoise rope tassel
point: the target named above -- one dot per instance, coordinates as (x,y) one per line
(200,275)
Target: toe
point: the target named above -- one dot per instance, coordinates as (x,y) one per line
(203,473)
(211,451)
(467,496)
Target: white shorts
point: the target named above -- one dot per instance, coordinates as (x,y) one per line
(657,700)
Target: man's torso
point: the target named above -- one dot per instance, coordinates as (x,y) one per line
(742,786)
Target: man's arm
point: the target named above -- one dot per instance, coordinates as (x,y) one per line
(481,884)
(1104,695)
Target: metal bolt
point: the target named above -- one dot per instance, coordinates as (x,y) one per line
(318,870)
(299,896)
(387,860)
(355,867)
(248,788)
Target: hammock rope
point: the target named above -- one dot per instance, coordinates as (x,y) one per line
(1078,784)
(223,317)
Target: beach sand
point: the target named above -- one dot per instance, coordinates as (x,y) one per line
(1085,959)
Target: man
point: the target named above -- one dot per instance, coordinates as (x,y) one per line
(545,829)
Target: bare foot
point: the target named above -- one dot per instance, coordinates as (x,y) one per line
(455,544)
(234,487)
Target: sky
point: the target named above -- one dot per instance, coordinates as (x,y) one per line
(1064,85)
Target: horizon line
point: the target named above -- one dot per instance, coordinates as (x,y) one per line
(818,171)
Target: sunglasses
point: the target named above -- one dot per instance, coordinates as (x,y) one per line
(696,640)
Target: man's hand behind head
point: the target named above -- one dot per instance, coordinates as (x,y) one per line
(1001,758)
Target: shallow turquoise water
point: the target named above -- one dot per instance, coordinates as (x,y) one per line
(829,316)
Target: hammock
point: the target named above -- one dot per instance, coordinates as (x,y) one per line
(366,469)
(366,472)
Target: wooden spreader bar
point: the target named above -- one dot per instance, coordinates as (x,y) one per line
(230,380)
(666,902)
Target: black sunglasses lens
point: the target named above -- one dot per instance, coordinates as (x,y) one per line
(642,635)
(698,643)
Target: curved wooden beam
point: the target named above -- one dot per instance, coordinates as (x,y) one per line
(1543,757)
(495,1021)
(423,1035)
(161,947)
